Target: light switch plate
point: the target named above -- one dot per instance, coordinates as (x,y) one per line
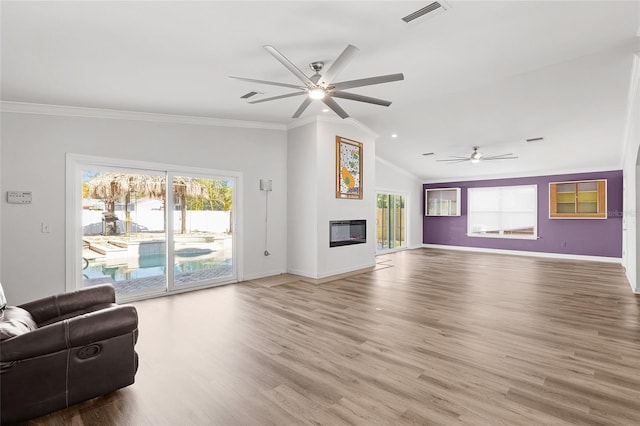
(19,197)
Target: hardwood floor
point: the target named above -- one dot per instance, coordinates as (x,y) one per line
(433,337)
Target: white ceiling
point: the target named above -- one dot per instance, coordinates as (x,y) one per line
(483,73)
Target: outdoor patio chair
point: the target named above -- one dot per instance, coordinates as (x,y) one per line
(60,350)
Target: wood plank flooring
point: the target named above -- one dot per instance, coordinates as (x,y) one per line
(437,337)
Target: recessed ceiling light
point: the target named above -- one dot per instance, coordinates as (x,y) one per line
(325,110)
(395,135)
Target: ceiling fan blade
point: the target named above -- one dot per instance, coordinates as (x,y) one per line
(288,95)
(338,65)
(360,98)
(500,157)
(288,64)
(456,160)
(272,83)
(368,81)
(328,101)
(302,107)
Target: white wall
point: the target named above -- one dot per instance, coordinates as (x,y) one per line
(302,201)
(312,202)
(631,178)
(337,260)
(392,179)
(33,159)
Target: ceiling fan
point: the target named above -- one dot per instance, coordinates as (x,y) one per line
(322,86)
(477,156)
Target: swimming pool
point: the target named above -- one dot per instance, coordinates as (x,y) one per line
(152,266)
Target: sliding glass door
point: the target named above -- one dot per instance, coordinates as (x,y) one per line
(123,229)
(132,238)
(390,221)
(202,237)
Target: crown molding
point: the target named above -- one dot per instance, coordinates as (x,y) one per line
(73,111)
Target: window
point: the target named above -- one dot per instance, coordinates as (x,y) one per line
(390,222)
(442,202)
(583,199)
(503,212)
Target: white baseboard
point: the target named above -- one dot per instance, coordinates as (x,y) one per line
(349,270)
(263,275)
(300,272)
(528,253)
(333,275)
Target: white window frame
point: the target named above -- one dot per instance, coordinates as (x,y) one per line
(440,191)
(75,163)
(498,211)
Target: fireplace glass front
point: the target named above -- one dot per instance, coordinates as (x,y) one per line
(347,232)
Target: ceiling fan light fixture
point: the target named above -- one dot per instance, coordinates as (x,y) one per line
(476,155)
(316,93)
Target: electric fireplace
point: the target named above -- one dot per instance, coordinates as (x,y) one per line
(347,232)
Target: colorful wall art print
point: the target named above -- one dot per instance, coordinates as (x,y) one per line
(348,168)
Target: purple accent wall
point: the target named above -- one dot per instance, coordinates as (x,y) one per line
(590,237)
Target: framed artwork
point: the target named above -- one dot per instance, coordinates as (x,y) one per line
(348,168)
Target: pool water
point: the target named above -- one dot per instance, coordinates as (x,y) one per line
(152,266)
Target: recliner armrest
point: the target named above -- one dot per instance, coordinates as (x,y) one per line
(45,309)
(102,325)
(73,332)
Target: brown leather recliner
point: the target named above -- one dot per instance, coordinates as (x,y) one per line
(79,345)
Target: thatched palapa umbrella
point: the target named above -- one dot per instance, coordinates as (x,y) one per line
(111,186)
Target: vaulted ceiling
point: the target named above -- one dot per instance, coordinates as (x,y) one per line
(491,74)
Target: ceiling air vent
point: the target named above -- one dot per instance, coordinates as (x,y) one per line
(534,140)
(248,95)
(435,8)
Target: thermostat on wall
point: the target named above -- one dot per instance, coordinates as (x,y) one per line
(19,197)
